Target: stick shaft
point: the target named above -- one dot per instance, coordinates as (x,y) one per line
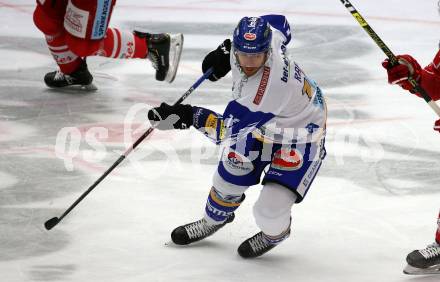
(392,58)
(132,147)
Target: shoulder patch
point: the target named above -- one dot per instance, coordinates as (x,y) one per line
(262,87)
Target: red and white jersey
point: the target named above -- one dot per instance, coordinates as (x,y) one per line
(430,78)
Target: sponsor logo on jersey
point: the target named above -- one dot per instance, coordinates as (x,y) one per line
(129,50)
(216,211)
(237,164)
(318,100)
(298,73)
(211,124)
(286,67)
(197,117)
(287,159)
(271,172)
(307,89)
(75,20)
(262,87)
(250,36)
(101,19)
(310,175)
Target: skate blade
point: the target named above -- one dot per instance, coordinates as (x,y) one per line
(176,47)
(74,88)
(89,87)
(410,270)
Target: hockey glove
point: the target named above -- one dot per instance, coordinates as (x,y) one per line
(166,117)
(218,60)
(437,126)
(398,74)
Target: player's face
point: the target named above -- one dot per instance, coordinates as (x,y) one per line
(251,63)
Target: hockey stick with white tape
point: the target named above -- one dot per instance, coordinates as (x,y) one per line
(49,224)
(393,59)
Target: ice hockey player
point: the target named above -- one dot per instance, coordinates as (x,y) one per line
(75,29)
(425,261)
(276,118)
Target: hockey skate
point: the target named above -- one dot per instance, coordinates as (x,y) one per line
(164,51)
(425,261)
(196,231)
(80,78)
(255,246)
(260,244)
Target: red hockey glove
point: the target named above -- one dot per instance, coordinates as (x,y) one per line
(437,125)
(399,74)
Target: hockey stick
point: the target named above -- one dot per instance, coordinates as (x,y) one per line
(55,220)
(393,59)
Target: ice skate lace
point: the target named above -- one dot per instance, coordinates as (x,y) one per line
(61,76)
(258,242)
(199,229)
(431,251)
(154,60)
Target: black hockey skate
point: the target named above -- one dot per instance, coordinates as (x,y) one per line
(196,231)
(81,77)
(425,261)
(255,246)
(164,52)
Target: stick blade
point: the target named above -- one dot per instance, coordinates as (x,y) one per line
(51,223)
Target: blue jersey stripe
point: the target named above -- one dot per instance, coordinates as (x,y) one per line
(102,17)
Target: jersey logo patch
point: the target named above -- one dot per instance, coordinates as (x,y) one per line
(236,164)
(102,17)
(250,36)
(211,124)
(287,159)
(307,89)
(75,20)
(262,86)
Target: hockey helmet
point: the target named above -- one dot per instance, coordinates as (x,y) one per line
(252,35)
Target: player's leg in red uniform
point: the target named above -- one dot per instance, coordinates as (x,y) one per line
(49,18)
(85,32)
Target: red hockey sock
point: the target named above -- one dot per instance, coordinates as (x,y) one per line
(437,235)
(67,61)
(123,45)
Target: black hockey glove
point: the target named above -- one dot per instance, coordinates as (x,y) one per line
(168,117)
(218,60)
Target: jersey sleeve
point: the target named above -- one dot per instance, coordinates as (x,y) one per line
(430,78)
(236,122)
(280,23)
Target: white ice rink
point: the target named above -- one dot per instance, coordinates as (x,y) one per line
(375,199)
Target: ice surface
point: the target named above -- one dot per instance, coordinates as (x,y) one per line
(375,199)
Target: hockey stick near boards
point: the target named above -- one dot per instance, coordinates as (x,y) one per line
(393,59)
(55,220)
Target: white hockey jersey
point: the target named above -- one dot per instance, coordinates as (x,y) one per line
(279,103)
